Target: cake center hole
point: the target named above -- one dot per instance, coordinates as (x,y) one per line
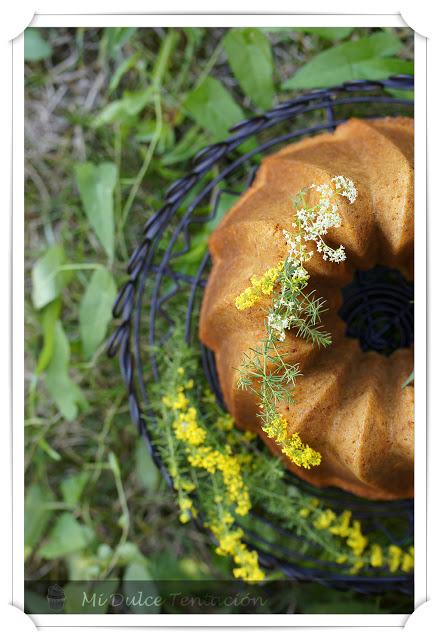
(378,308)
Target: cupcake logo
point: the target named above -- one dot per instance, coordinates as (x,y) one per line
(55,597)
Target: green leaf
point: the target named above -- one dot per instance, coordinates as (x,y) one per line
(36,515)
(124,110)
(83,564)
(114,464)
(64,392)
(188,145)
(346,62)
(137,570)
(127,553)
(95,310)
(49,317)
(327,33)
(47,280)
(147,130)
(96,184)
(189,262)
(383,67)
(73,486)
(284,34)
(114,38)
(213,108)
(250,58)
(35,47)
(165,566)
(137,578)
(67,536)
(146,471)
(45,446)
(164,56)
(331,34)
(122,69)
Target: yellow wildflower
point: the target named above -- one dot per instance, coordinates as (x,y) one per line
(246,299)
(304,457)
(376,559)
(230,543)
(200,455)
(267,281)
(186,427)
(394,557)
(357,566)
(324,519)
(229,465)
(204,458)
(355,540)
(341,558)
(181,401)
(277,429)
(250,570)
(292,445)
(188,486)
(342,527)
(408,560)
(227,518)
(185,504)
(230,468)
(262,286)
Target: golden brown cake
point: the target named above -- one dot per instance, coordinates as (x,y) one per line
(350,405)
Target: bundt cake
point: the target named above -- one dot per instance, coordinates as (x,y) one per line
(351,406)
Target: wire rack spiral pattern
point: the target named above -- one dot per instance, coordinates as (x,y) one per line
(378,309)
(193,201)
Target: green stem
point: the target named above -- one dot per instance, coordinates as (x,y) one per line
(210,64)
(166,49)
(102,437)
(145,165)
(118,194)
(80,267)
(114,467)
(159,71)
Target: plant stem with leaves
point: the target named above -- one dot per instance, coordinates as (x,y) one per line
(266,371)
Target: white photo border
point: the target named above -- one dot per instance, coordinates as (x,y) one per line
(210,20)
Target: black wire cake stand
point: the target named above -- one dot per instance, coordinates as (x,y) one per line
(377,307)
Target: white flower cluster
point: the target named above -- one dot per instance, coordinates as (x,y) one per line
(345,187)
(311,224)
(298,253)
(279,324)
(316,221)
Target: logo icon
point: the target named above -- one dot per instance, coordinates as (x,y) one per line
(55,597)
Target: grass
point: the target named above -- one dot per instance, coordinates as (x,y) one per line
(126,514)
